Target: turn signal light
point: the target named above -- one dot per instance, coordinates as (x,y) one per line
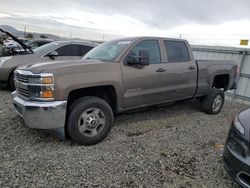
(47,94)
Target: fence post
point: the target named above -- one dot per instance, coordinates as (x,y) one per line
(244,54)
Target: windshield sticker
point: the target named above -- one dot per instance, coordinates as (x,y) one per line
(123,42)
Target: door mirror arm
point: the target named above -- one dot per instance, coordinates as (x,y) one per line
(53,54)
(142,59)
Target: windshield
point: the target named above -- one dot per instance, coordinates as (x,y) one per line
(107,51)
(42,50)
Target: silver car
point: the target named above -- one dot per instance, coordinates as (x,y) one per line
(59,50)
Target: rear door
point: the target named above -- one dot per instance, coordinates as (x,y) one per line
(181,70)
(144,85)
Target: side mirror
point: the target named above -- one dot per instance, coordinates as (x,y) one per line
(142,59)
(53,54)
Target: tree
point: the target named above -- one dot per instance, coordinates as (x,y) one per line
(43,36)
(29,36)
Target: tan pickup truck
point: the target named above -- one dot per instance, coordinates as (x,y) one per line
(79,98)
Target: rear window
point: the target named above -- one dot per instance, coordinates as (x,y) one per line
(73,50)
(176,51)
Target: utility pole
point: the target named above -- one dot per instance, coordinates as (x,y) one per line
(24,32)
(180,35)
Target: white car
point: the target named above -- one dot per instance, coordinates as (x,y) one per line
(10,43)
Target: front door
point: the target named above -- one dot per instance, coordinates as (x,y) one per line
(144,84)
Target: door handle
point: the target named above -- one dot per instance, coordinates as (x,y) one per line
(160,70)
(191,68)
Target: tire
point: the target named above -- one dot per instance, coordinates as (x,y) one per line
(90,120)
(213,102)
(11,84)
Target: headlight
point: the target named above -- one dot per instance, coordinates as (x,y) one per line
(41,86)
(41,80)
(34,86)
(47,80)
(238,125)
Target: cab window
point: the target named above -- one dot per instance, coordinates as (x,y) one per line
(152,46)
(177,51)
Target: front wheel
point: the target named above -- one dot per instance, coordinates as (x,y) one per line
(213,102)
(90,120)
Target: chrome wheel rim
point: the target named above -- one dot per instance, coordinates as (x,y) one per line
(91,122)
(217,103)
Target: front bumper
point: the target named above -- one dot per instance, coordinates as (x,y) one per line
(41,115)
(237,161)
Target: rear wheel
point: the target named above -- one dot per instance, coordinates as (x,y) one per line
(90,120)
(213,102)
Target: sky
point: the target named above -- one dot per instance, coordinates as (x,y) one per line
(222,22)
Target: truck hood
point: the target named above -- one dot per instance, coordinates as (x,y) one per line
(56,66)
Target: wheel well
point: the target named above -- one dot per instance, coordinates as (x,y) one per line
(221,81)
(106,93)
(9,77)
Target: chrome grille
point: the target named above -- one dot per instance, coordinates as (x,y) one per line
(21,81)
(23,92)
(22,78)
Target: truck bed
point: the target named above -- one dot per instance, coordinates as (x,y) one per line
(207,69)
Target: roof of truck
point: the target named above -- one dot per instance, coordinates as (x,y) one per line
(149,37)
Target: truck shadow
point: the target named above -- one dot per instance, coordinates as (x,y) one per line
(137,123)
(5,89)
(161,112)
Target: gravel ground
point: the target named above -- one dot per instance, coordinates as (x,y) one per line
(172,146)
